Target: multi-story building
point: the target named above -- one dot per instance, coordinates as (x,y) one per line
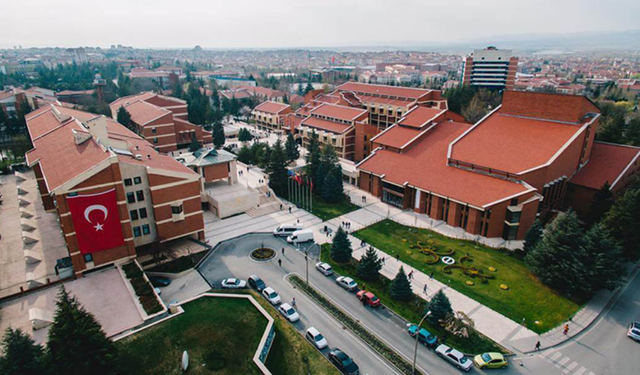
(335,125)
(494,178)
(11,101)
(490,67)
(161,120)
(270,115)
(80,156)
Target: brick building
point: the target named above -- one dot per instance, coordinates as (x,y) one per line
(270,115)
(491,68)
(80,154)
(161,120)
(495,177)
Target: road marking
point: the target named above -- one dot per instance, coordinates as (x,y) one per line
(591,373)
(555,356)
(562,362)
(579,372)
(570,367)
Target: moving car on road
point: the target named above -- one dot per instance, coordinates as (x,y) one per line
(324,268)
(289,312)
(490,360)
(343,362)
(316,338)
(160,281)
(634,331)
(423,336)
(368,298)
(271,295)
(285,230)
(256,283)
(455,357)
(233,283)
(347,283)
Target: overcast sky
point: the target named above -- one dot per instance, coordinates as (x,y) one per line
(298,23)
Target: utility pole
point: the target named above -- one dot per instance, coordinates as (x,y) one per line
(415,350)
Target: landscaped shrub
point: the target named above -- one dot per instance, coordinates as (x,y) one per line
(142,288)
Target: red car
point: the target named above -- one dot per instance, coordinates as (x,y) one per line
(368,298)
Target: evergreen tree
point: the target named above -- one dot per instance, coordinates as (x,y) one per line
(602,202)
(533,236)
(124,118)
(194,145)
(77,344)
(557,260)
(291,149)
(602,259)
(370,265)
(341,247)
(21,355)
(313,157)
(177,91)
(265,156)
(244,155)
(332,186)
(400,288)
(475,110)
(623,221)
(244,135)
(308,88)
(632,132)
(440,308)
(218,135)
(277,169)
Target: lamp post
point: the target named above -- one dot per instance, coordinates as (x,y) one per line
(415,350)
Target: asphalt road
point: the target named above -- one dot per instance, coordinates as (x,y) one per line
(232,259)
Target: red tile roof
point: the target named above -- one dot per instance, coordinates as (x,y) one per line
(264,91)
(401,92)
(512,144)
(142,112)
(425,166)
(330,126)
(271,107)
(338,112)
(607,162)
(386,101)
(420,116)
(126,100)
(396,136)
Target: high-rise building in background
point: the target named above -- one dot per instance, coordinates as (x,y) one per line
(490,67)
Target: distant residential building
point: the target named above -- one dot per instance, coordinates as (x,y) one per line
(264,93)
(74,96)
(633,85)
(270,115)
(231,82)
(161,78)
(10,101)
(490,67)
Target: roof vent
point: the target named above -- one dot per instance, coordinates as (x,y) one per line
(138,157)
(137,148)
(148,156)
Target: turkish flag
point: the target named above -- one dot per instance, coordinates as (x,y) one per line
(97,221)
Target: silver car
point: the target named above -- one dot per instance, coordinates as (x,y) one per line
(324,268)
(233,283)
(634,331)
(455,357)
(347,283)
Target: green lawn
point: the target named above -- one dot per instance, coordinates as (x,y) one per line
(327,211)
(527,298)
(412,310)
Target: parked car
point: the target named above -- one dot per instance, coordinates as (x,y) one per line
(347,283)
(423,336)
(454,357)
(343,362)
(271,295)
(300,236)
(324,268)
(368,298)
(233,283)
(256,283)
(490,360)
(634,331)
(316,338)
(285,230)
(160,281)
(289,312)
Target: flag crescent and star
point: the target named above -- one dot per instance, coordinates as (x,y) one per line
(96,221)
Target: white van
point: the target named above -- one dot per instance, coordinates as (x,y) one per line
(285,230)
(300,236)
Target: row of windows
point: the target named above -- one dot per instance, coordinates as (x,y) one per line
(141,231)
(135,180)
(138,196)
(138,214)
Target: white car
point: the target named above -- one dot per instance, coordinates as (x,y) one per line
(271,295)
(233,283)
(347,283)
(289,312)
(316,338)
(455,357)
(324,268)
(634,331)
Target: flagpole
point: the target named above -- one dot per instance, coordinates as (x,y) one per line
(311,190)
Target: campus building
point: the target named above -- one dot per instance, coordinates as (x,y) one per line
(491,68)
(270,115)
(495,177)
(161,120)
(111,189)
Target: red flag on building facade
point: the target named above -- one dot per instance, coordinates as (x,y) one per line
(311,184)
(96,221)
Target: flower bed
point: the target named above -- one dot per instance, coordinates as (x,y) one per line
(143,289)
(263,254)
(372,340)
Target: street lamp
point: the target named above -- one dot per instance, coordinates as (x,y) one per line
(415,350)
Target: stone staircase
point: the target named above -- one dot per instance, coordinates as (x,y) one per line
(268,205)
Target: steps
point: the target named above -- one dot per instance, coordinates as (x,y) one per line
(264,209)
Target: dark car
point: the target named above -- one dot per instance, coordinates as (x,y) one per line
(256,283)
(343,362)
(158,281)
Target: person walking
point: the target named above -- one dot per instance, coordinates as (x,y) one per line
(566,329)
(283,251)
(431,275)
(398,257)
(538,346)
(289,209)
(293,302)
(424,290)
(280,262)
(364,286)
(411,275)
(384,259)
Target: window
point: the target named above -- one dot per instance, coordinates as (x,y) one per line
(514,202)
(133,214)
(155,140)
(143,213)
(136,232)
(127,182)
(137,180)
(88,258)
(154,130)
(131,198)
(145,229)
(176,209)
(140,195)
(72,194)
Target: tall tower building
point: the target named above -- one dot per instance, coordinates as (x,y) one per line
(491,68)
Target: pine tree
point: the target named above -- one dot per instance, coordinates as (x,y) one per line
(218,135)
(440,308)
(265,156)
(332,186)
(277,169)
(308,88)
(623,221)
(21,355)
(341,247)
(602,202)
(177,91)
(291,149)
(194,145)
(533,236)
(244,155)
(313,157)
(244,135)
(77,344)
(400,288)
(602,259)
(370,265)
(632,132)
